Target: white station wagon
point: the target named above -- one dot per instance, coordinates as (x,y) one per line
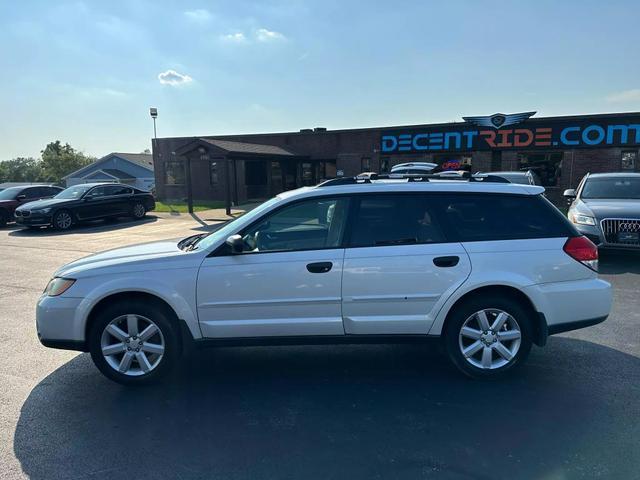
(489,267)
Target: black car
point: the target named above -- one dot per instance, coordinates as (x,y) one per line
(87,201)
(12,197)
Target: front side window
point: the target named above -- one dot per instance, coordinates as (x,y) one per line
(34,192)
(484,217)
(383,220)
(117,190)
(97,192)
(308,225)
(627,188)
(174,173)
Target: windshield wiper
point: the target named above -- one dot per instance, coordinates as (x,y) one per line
(189,243)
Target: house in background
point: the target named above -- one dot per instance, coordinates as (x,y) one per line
(135,169)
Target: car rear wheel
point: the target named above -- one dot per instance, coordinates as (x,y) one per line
(487,337)
(134,343)
(138,210)
(62,220)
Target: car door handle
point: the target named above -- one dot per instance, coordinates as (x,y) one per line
(319,267)
(451,261)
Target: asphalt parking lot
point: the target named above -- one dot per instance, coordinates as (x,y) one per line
(310,412)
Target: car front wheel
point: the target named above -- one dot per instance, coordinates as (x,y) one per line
(488,336)
(133,342)
(62,220)
(138,210)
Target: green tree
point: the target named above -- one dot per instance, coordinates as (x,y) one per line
(21,169)
(59,160)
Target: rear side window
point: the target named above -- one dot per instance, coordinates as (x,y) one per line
(482,217)
(394,220)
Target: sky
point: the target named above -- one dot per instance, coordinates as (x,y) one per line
(86,72)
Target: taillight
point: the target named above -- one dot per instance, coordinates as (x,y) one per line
(583,250)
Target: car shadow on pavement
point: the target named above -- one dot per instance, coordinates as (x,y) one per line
(619,262)
(390,411)
(93,226)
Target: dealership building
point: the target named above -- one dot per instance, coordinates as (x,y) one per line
(249,167)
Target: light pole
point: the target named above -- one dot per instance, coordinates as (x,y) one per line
(154,114)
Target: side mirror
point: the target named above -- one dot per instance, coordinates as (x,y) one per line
(236,244)
(569,193)
(22,196)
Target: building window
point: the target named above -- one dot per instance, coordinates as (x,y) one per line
(213,173)
(548,166)
(365,164)
(307,174)
(384,165)
(629,160)
(174,173)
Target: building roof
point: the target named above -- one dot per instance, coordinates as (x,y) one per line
(239,147)
(144,160)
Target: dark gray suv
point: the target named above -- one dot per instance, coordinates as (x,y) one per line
(606,208)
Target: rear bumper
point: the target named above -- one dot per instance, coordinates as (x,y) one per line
(571,305)
(567,327)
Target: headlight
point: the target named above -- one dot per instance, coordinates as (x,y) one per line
(582,219)
(57,286)
(42,210)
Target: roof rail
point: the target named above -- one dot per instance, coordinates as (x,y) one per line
(369,178)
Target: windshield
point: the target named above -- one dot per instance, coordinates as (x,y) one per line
(73,192)
(614,187)
(521,178)
(10,193)
(231,227)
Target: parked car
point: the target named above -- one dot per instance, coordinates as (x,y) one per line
(415,168)
(524,177)
(13,197)
(348,261)
(606,208)
(87,201)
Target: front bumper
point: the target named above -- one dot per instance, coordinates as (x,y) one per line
(595,234)
(57,323)
(33,220)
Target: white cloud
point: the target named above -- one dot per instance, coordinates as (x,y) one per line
(632,95)
(173,78)
(264,35)
(237,37)
(199,15)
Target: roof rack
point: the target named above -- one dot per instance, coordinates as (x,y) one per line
(370,178)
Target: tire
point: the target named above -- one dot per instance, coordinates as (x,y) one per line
(62,220)
(157,362)
(4,218)
(501,343)
(138,210)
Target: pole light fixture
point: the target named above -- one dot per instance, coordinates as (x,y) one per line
(154,114)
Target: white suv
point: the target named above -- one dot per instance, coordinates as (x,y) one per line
(489,267)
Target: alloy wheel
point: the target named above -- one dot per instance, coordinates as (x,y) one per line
(138,210)
(490,339)
(63,220)
(132,345)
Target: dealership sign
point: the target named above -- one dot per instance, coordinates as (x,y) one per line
(515,131)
